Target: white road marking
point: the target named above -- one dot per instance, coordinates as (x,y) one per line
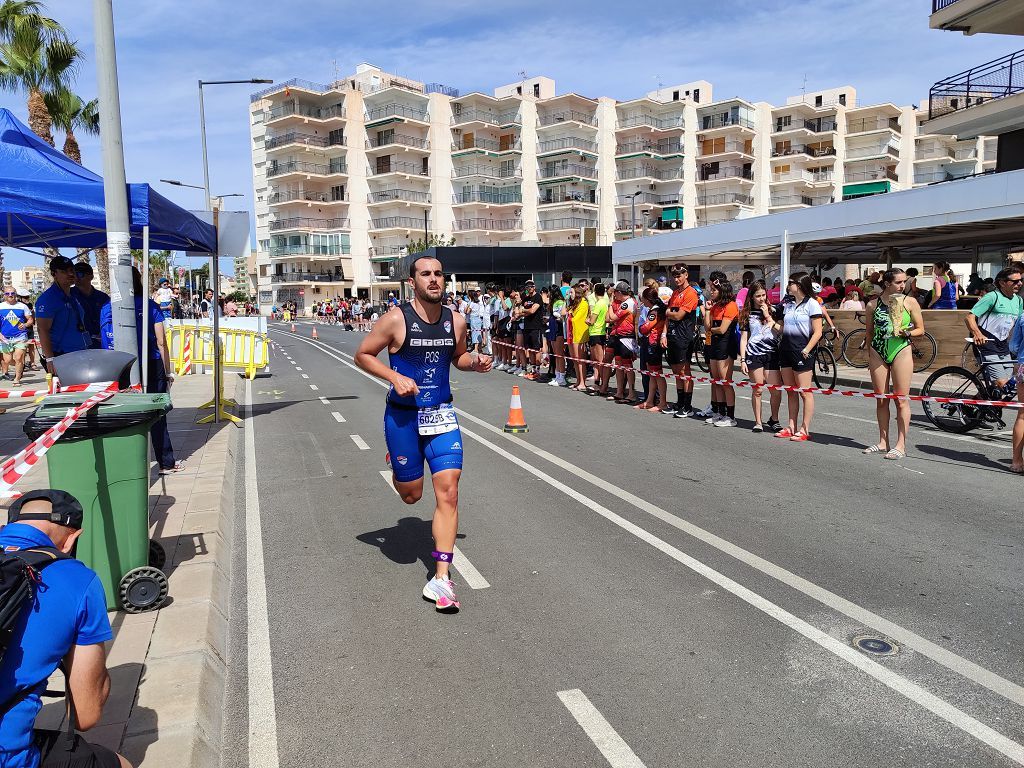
(616,751)
(297,368)
(323,457)
(360,442)
(338,417)
(386,474)
(305,375)
(964,667)
(468,571)
(262,712)
(919,429)
(324,400)
(314,387)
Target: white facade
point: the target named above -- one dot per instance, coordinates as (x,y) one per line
(346,176)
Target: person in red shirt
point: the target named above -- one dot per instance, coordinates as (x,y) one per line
(650,335)
(720,316)
(678,338)
(622,342)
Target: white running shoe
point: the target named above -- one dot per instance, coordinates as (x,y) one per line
(712,418)
(499,367)
(442,593)
(725,421)
(704,413)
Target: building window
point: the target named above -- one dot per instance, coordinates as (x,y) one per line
(696,94)
(536,90)
(519,90)
(842,99)
(818,101)
(675,95)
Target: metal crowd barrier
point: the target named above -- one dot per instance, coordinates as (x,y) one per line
(248,351)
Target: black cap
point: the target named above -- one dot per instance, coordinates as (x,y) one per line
(66,510)
(83,268)
(60,262)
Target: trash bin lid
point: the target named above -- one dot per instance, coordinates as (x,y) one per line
(120,404)
(123,410)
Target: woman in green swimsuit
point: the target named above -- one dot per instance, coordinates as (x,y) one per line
(892,321)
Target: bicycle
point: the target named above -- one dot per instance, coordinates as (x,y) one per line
(855,348)
(824,372)
(699,356)
(958,382)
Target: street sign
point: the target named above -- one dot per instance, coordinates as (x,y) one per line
(302,291)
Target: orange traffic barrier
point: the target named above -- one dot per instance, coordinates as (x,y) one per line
(315,336)
(516,422)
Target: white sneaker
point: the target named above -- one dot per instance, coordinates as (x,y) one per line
(499,367)
(725,422)
(713,418)
(555,383)
(704,413)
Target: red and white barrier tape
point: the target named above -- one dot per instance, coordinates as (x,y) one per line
(12,394)
(785,387)
(16,467)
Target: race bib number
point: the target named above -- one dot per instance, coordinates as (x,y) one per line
(435,421)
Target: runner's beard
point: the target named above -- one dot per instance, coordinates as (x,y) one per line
(422,295)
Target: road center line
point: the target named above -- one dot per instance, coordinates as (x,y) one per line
(964,667)
(360,442)
(297,368)
(616,751)
(262,712)
(338,417)
(324,400)
(305,375)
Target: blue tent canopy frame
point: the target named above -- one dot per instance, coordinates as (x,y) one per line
(48,200)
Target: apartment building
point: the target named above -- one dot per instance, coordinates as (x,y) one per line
(347,175)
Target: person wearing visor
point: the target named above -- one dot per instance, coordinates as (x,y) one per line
(91,299)
(64,625)
(60,318)
(15,320)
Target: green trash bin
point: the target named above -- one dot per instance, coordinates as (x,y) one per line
(103,461)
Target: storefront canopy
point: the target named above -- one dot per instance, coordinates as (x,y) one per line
(47,199)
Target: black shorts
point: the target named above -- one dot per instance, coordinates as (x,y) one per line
(624,347)
(769,362)
(602,339)
(722,347)
(532,340)
(57,752)
(792,357)
(654,354)
(680,350)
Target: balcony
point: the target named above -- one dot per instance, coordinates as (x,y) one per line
(301,168)
(649,121)
(1001,17)
(567,116)
(803,149)
(984,100)
(303,139)
(309,277)
(872,124)
(486,117)
(792,201)
(306,249)
(570,223)
(649,172)
(383,251)
(564,196)
(935,177)
(398,139)
(712,122)
(729,172)
(568,143)
(307,196)
(398,222)
(644,198)
(488,225)
(486,171)
(568,170)
(663,147)
(398,166)
(802,177)
(300,223)
(878,151)
(488,198)
(715,147)
(398,195)
(395,112)
(486,145)
(812,125)
(305,111)
(859,177)
(725,198)
(924,154)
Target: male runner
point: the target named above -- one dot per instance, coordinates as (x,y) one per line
(423,339)
(678,338)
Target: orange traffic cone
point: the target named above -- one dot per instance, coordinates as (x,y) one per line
(293,327)
(314,333)
(516,421)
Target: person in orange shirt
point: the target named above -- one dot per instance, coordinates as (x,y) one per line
(720,316)
(650,335)
(678,337)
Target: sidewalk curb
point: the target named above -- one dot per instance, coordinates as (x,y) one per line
(864,382)
(178,712)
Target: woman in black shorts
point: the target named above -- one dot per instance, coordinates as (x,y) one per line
(650,337)
(759,353)
(720,316)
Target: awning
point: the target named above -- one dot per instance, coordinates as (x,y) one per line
(866,188)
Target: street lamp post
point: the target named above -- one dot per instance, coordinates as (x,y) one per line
(632,212)
(215,266)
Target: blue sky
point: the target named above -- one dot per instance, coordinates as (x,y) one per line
(758,49)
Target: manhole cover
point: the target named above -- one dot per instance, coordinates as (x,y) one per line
(876,646)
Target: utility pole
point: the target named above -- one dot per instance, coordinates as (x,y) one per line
(115,189)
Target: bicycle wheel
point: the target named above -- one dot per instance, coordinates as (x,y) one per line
(968,361)
(924,350)
(824,372)
(957,382)
(699,356)
(855,348)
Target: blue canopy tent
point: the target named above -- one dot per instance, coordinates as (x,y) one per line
(46,199)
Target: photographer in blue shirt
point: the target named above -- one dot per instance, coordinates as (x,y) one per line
(65,626)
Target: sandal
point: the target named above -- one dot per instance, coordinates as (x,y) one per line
(643,406)
(895,454)
(874,449)
(1017,470)
(613,399)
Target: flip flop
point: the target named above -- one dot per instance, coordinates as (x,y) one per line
(895,454)
(874,449)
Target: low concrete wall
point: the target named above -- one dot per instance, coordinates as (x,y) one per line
(946,325)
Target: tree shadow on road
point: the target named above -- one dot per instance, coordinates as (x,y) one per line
(408,541)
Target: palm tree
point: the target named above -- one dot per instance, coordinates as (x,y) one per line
(31,63)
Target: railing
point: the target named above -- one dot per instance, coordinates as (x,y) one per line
(726,198)
(398,138)
(876,175)
(729,172)
(648,198)
(803,149)
(397,82)
(308,277)
(779,201)
(568,169)
(490,145)
(865,124)
(664,147)
(406,195)
(979,85)
(708,122)
(306,222)
(729,146)
(938,176)
(446,90)
(549,197)
(388,250)
(929,153)
(820,125)
(571,222)
(648,171)
(660,123)
(566,116)
(397,222)
(306,249)
(485,116)
(399,166)
(492,198)
(505,225)
(312,196)
(305,110)
(307,85)
(569,142)
(299,166)
(487,171)
(965,153)
(397,110)
(938,5)
(875,151)
(306,139)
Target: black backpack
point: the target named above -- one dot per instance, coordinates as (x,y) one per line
(19,574)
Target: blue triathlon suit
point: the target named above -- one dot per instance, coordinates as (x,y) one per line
(425,357)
